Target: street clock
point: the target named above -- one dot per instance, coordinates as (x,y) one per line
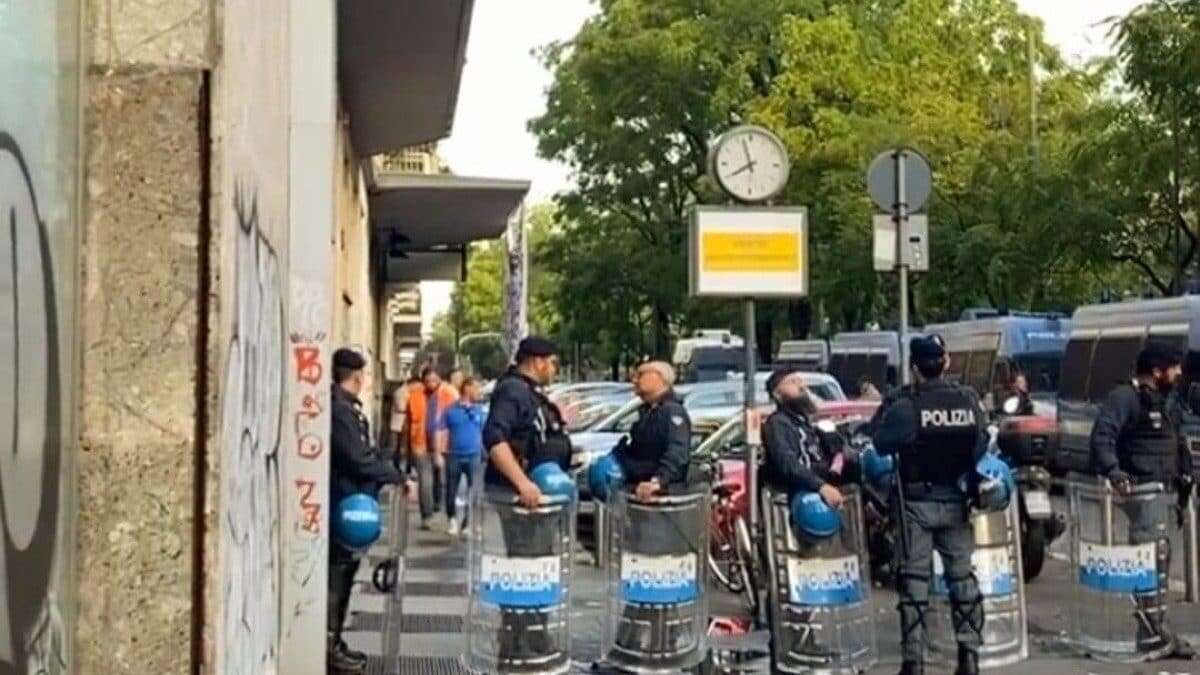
(749,163)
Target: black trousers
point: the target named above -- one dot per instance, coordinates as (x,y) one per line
(343,566)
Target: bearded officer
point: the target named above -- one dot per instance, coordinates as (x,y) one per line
(1136,440)
(799,456)
(939,432)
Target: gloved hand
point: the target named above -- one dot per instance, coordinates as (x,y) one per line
(1122,482)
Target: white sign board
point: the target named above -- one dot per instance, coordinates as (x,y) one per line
(748,252)
(915,251)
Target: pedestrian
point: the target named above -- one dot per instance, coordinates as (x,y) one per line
(1018,389)
(455,378)
(524,429)
(399,415)
(427,440)
(1136,440)
(464,423)
(938,430)
(867,390)
(655,456)
(355,467)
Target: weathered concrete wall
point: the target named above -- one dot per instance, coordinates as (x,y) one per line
(357,316)
(252,224)
(39,226)
(138,421)
(141,318)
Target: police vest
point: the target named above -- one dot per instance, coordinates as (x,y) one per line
(947,432)
(1149,451)
(546,439)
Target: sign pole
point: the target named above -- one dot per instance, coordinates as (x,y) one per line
(901,223)
(751,441)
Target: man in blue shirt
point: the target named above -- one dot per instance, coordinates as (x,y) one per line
(464,422)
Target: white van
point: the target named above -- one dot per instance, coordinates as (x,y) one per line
(1105,341)
(705,337)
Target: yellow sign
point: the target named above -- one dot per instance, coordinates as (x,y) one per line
(751,252)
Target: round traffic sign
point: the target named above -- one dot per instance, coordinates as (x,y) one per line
(918,180)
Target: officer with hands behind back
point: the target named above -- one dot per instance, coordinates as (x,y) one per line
(939,431)
(1136,440)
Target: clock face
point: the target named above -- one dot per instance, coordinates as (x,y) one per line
(750,164)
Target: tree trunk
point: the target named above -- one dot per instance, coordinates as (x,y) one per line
(662,334)
(800,318)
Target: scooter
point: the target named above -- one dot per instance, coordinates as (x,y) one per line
(1024,442)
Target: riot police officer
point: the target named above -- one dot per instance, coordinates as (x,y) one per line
(938,430)
(525,429)
(355,467)
(1136,440)
(655,456)
(798,455)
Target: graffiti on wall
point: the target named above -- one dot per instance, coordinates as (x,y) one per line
(251,425)
(310,418)
(32,638)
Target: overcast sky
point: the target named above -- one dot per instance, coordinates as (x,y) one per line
(503,86)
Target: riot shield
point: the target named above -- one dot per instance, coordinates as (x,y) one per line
(819,593)
(657,614)
(519,609)
(996,563)
(1121,550)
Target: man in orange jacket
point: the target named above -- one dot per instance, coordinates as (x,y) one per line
(426,436)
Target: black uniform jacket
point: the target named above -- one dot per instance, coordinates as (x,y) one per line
(659,445)
(355,465)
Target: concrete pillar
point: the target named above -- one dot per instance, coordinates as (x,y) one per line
(305,456)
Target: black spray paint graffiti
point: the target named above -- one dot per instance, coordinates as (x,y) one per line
(31,632)
(251,423)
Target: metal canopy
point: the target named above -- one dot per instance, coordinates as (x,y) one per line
(442,210)
(400,64)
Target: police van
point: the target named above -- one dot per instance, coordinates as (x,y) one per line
(985,353)
(808,355)
(874,355)
(1102,351)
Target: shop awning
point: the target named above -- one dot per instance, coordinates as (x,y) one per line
(417,266)
(399,64)
(440,210)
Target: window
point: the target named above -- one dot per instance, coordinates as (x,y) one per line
(1112,364)
(1041,371)
(839,367)
(875,367)
(1073,378)
(957,366)
(979,371)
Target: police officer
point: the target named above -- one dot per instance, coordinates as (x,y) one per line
(355,467)
(655,457)
(1136,440)
(523,430)
(799,456)
(939,432)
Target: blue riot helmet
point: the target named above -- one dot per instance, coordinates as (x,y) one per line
(877,467)
(356,521)
(604,476)
(812,518)
(992,486)
(553,481)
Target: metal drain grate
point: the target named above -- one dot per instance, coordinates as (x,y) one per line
(435,589)
(437,562)
(419,665)
(430,623)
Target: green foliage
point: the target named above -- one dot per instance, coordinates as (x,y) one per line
(1030,211)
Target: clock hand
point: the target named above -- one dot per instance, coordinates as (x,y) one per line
(749,167)
(746,149)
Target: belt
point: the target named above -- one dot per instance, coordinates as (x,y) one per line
(919,491)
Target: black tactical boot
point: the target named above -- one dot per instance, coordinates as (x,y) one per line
(968,662)
(338,661)
(912,668)
(352,654)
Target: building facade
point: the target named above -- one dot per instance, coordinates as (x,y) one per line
(192,224)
